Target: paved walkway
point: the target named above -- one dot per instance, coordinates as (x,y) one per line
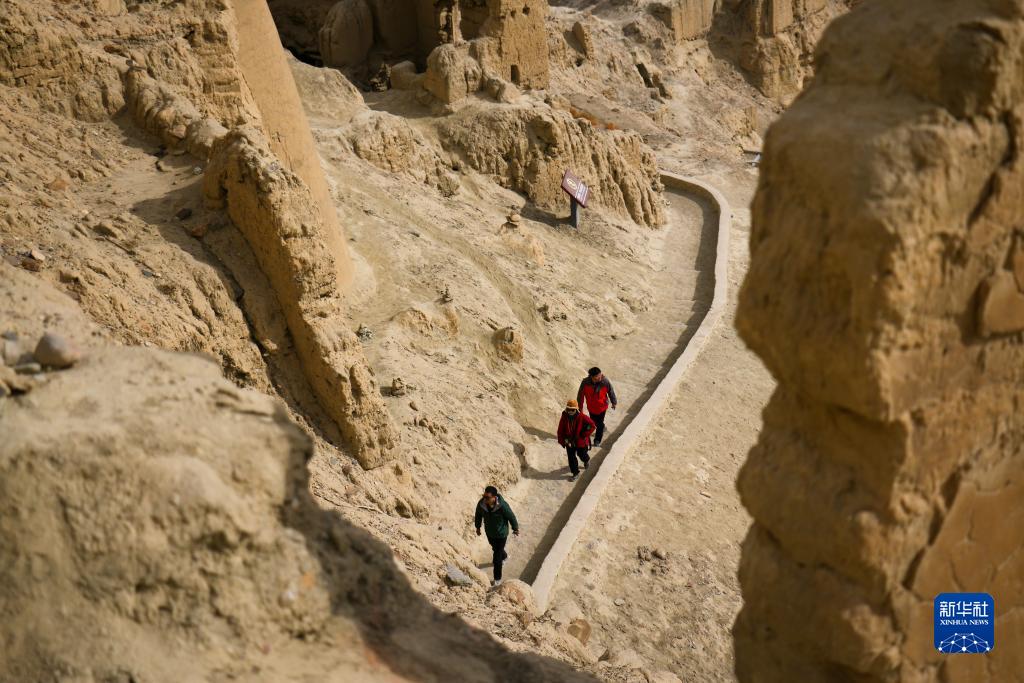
(682,289)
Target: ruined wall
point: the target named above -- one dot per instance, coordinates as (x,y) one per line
(883,296)
(273,209)
(506,37)
(261,59)
(688,19)
(519,39)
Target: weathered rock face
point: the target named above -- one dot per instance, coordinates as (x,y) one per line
(774,39)
(157,507)
(883,296)
(347,34)
(507,40)
(528,149)
(273,210)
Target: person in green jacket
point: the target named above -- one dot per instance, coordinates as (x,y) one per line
(495,514)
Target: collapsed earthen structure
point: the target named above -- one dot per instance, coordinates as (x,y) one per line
(503,39)
(884,294)
(187,92)
(773,39)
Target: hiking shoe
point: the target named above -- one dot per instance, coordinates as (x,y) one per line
(597,442)
(504,555)
(496,583)
(574,477)
(586,464)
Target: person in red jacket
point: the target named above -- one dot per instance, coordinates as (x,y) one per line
(597,392)
(574,430)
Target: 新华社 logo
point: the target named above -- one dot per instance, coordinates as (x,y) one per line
(965,623)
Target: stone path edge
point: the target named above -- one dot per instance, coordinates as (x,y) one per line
(544,583)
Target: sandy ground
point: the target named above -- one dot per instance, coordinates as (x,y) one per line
(655,571)
(635,362)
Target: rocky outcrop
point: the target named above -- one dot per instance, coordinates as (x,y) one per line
(528,148)
(882,295)
(687,19)
(153,512)
(272,208)
(267,77)
(158,507)
(493,36)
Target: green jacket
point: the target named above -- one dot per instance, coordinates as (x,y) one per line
(496,521)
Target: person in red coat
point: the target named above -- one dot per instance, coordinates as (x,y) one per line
(574,430)
(597,394)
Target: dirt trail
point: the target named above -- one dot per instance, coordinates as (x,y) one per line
(654,573)
(636,362)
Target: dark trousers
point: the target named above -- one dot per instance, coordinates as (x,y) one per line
(598,419)
(575,452)
(498,546)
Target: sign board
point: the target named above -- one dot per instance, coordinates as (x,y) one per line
(575,188)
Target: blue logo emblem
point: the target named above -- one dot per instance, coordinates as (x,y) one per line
(965,623)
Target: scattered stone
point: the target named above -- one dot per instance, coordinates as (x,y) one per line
(364,333)
(398,387)
(30,264)
(288,597)
(13,383)
(106,228)
(552,314)
(403,76)
(37,255)
(414,406)
(446,296)
(580,630)
(509,344)
(705,494)
(28,369)
(13,354)
(619,602)
(183,214)
(456,577)
(69,276)
(198,230)
(198,170)
(55,351)
(161,166)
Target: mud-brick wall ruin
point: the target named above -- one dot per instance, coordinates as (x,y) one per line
(886,295)
(506,37)
(773,39)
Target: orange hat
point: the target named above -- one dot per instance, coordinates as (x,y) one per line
(571,403)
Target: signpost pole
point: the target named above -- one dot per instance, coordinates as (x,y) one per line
(578,194)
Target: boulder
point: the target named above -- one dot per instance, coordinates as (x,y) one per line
(451,73)
(54,351)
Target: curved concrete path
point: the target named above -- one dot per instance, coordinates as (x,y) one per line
(580,507)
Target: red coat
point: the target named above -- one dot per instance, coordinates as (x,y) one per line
(596,396)
(575,432)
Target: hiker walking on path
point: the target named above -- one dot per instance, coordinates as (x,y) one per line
(596,391)
(495,514)
(574,430)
